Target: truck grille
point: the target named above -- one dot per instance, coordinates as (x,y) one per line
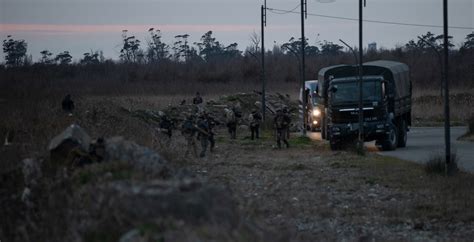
(351,115)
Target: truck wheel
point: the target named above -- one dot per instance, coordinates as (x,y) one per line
(391,141)
(402,134)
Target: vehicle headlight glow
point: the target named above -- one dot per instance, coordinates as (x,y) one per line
(316,112)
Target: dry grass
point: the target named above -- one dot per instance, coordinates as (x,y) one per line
(428,107)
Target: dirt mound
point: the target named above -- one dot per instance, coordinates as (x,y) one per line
(244,102)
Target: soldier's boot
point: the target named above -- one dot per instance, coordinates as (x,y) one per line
(203,153)
(287,144)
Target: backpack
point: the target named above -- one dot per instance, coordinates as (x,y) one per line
(254,119)
(281,122)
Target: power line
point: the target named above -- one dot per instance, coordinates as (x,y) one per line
(368,20)
(280,11)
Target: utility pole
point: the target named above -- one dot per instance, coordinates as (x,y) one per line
(361,111)
(264,23)
(303,43)
(447,130)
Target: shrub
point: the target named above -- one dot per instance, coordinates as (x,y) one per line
(437,164)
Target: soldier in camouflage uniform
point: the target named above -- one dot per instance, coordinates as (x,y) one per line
(212,122)
(166,126)
(189,131)
(255,118)
(203,134)
(231,122)
(280,123)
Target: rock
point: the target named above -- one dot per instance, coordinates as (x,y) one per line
(74,136)
(141,158)
(131,236)
(61,147)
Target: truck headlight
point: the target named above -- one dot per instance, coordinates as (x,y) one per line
(316,112)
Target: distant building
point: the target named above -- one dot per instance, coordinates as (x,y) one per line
(372,47)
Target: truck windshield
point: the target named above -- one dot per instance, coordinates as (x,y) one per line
(349,91)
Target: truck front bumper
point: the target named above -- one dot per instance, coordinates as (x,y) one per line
(372,130)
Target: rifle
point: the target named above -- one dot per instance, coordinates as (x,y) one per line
(202,130)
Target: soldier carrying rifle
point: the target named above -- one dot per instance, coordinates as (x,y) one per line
(204,133)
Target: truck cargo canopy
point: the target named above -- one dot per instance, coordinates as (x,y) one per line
(392,71)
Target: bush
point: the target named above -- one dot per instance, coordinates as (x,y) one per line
(437,164)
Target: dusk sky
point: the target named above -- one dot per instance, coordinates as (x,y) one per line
(83,25)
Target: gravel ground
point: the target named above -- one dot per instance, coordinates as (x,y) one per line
(309,193)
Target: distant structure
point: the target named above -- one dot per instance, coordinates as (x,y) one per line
(372,47)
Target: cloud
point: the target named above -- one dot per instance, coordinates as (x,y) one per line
(80,29)
(71,29)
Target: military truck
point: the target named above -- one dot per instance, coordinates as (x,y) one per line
(312,105)
(387,92)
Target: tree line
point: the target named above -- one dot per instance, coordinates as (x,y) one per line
(208,60)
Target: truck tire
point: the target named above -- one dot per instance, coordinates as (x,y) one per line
(391,141)
(402,134)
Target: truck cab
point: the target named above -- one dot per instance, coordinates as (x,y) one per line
(343,109)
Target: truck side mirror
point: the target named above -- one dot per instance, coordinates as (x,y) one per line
(384,90)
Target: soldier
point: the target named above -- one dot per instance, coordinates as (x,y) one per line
(203,134)
(166,126)
(287,114)
(280,123)
(67,104)
(212,123)
(231,122)
(188,131)
(254,122)
(197,99)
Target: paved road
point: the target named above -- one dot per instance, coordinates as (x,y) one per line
(423,143)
